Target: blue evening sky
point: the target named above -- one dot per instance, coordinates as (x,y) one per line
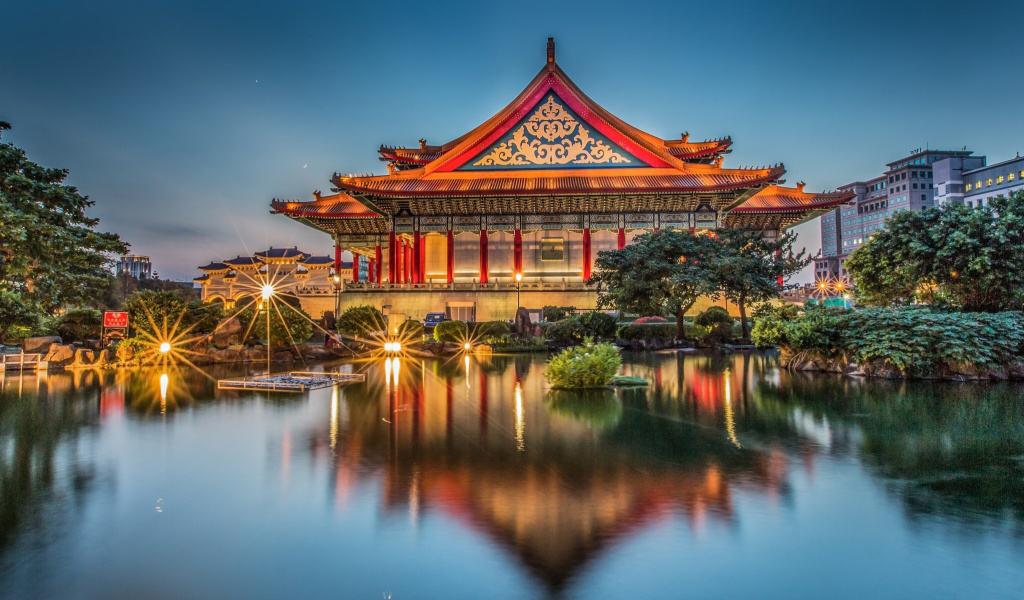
(182,120)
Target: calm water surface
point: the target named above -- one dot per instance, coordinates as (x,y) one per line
(469,479)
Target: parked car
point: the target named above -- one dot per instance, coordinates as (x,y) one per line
(433,319)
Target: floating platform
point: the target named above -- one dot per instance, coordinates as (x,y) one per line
(295,381)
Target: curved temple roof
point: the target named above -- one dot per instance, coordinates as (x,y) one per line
(552,140)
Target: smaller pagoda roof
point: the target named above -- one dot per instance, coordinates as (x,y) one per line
(273,252)
(201,278)
(214,266)
(336,206)
(316,261)
(686,150)
(778,199)
(242,261)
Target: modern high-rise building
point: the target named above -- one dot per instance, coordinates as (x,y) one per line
(137,266)
(906,184)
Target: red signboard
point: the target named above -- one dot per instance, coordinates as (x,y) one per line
(115,319)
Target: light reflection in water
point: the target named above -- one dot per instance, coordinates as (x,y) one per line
(520,425)
(730,423)
(164,380)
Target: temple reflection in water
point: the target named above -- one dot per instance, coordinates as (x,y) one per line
(554,477)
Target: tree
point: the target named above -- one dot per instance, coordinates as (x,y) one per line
(971,258)
(50,252)
(753,268)
(157,313)
(288,325)
(16,317)
(663,271)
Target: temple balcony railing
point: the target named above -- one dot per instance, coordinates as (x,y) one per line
(433,286)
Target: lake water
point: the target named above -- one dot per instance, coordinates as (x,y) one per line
(467,478)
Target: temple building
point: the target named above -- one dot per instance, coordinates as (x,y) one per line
(241,278)
(514,212)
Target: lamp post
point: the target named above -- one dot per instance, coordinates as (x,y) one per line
(519,280)
(337,295)
(266,292)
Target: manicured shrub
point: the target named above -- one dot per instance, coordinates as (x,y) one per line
(587,366)
(361,320)
(648,334)
(553,314)
(712,316)
(491,329)
(567,332)
(411,330)
(914,341)
(451,331)
(598,325)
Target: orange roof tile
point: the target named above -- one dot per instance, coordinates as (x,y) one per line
(777,199)
(338,206)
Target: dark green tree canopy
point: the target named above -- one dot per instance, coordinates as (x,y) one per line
(754,268)
(660,273)
(970,258)
(50,252)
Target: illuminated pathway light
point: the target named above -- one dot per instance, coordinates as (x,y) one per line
(165,347)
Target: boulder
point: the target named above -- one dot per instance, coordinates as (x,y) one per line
(40,344)
(317,353)
(282,357)
(227,356)
(103,357)
(227,333)
(60,354)
(83,358)
(255,355)
(125,353)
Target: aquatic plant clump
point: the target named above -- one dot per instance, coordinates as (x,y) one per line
(587,366)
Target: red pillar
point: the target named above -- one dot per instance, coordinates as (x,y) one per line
(355,267)
(517,252)
(369,270)
(451,256)
(586,254)
(406,262)
(483,256)
(417,273)
(399,256)
(622,238)
(392,272)
(422,260)
(337,260)
(378,262)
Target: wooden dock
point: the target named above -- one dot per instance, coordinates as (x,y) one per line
(22,362)
(295,381)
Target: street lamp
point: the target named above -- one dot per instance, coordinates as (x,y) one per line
(519,280)
(337,294)
(266,292)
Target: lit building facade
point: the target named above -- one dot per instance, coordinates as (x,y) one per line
(290,269)
(134,265)
(516,210)
(972,182)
